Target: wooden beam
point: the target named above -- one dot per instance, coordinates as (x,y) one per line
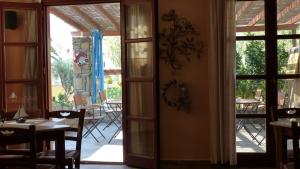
(67,19)
(257,17)
(87,33)
(86,17)
(262,28)
(245,5)
(294,19)
(292,5)
(108,16)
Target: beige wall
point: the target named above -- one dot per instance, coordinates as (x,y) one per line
(185,136)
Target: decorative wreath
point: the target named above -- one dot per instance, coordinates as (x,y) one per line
(182,101)
(80,58)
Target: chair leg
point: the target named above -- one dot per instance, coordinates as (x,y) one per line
(77,163)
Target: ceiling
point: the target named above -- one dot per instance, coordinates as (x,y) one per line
(250,15)
(84,18)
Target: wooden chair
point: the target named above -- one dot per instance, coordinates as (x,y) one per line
(93,115)
(284,113)
(75,119)
(19,158)
(296,150)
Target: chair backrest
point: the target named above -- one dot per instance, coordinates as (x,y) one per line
(285,113)
(258,95)
(80,101)
(281,99)
(102,96)
(73,118)
(13,136)
(296,149)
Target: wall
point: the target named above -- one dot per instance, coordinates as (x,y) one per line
(185,136)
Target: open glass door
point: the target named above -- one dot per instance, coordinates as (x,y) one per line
(21,61)
(139,83)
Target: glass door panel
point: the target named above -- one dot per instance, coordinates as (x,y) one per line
(20,25)
(139,20)
(26,66)
(140,83)
(140,59)
(141,138)
(141,99)
(18,95)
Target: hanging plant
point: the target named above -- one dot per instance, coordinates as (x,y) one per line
(178,41)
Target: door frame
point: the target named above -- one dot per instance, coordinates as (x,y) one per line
(45,37)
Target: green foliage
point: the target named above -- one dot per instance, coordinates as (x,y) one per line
(250,60)
(114,92)
(61,101)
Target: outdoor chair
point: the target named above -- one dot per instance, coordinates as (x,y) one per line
(75,119)
(13,158)
(93,116)
(108,110)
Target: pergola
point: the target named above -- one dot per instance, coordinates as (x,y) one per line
(250,15)
(104,16)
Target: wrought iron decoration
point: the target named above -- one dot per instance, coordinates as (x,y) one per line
(177,44)
(177,41)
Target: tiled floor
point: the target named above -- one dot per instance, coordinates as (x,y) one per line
(101,151)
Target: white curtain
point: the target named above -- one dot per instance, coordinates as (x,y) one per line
(222,82)
(30,72)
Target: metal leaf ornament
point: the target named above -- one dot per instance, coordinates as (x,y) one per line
(178,41)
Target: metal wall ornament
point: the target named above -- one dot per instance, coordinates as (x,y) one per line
(177,41)
(181,100)
(177,44)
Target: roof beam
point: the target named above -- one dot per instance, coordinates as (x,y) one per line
(262,28)
(294,19)
(105,33)
(256,18)
(68,20)
(87,18)
(292,5)
(108,16)
(245,5)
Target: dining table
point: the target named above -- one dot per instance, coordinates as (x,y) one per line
(49,130)
(282,132)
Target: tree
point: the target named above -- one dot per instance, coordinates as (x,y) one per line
(250,60)
(63,69)
(114,50)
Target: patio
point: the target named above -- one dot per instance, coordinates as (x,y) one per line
(101,151)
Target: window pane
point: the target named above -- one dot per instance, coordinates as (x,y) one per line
(288,93)
(139,105)
(21,95)
(250,135)
(26,65)
(288,56)
(250,57)
(288,17)
(139,21)
(250,18)
(140,59)
(141,138)
(20,25)
(250,97)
